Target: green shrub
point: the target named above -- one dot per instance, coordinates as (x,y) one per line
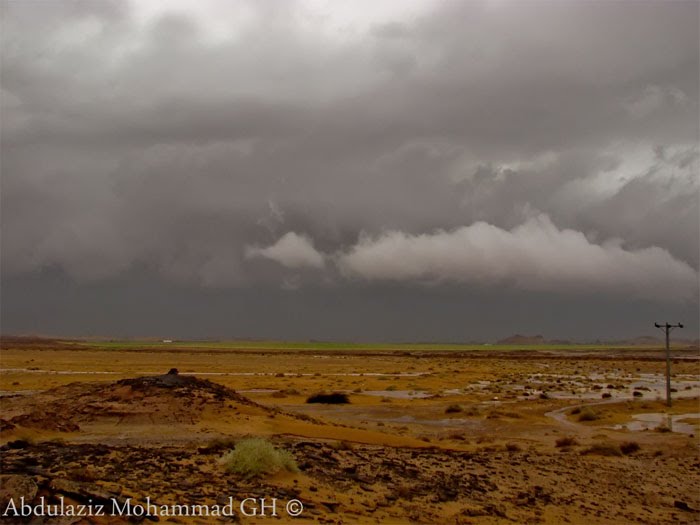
(256,456)
(588,414)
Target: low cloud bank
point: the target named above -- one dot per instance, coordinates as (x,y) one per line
(534,256)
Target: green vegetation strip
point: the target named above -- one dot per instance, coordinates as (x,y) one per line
(325,346)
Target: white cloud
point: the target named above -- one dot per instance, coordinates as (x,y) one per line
(535,256)
(291,250)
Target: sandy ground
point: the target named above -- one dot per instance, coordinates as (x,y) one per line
(428,437)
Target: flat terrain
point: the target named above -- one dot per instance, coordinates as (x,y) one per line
(432,433)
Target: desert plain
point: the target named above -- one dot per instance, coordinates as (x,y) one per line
(431,434)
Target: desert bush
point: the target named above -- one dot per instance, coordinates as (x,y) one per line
(217,445)
(513,447)
(342,445)
(256,456)
(336,398)
(453,409)
(290,391)
(629,447)
(575,411)
(603,449)
(568,441)
(588,414)
(510,414)
(472,411)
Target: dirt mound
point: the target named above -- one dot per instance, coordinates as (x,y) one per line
(161,399)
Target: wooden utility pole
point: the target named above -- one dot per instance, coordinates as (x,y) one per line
(666,327)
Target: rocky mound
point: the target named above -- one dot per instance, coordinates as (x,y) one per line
(161,399)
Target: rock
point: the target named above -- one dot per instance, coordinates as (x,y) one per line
(15,487)
(683,506)
(80,490)
(6,426)
(332,506)
(18,444)
(474,511)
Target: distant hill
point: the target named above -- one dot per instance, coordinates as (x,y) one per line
(518,339)
(32,341)
(643,340)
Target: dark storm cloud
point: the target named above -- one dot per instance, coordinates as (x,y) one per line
(257,144)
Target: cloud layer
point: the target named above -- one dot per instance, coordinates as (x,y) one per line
(223,146)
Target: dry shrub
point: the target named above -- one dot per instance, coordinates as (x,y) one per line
(217,445)
(342,445)
(568,441)
(629,447)
(453,409)
(603,449)
(336,398)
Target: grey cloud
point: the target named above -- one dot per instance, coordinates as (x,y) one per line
(160,144)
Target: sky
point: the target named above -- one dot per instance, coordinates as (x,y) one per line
(405,170)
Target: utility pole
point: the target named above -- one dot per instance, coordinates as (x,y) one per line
(666,327)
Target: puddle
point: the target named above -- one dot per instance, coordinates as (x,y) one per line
(654,420)
(398,394)
(452,422)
